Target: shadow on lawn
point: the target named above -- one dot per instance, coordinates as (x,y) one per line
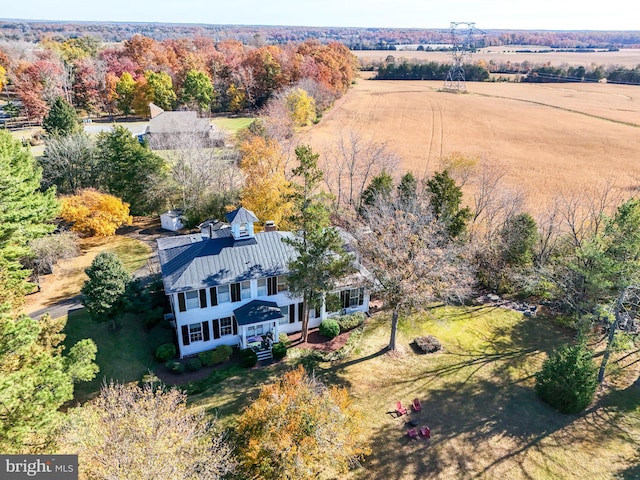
(482,430)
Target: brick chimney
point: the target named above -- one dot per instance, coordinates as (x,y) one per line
(270,226)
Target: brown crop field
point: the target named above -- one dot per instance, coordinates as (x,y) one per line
(628,57)
(548,138)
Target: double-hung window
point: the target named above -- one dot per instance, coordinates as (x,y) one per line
(195,332)
(262,287)
(283,285)
(223,294)
(245,290)
(226,326)
(285,315)
(192,299)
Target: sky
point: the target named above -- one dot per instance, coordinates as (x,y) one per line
(487,14)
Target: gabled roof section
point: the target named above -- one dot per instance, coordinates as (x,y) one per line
(241,215)
(178,122)
(257,311)
(192,262)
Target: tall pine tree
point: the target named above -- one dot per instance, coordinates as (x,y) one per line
(25,213)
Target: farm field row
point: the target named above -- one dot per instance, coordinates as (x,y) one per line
(548,138)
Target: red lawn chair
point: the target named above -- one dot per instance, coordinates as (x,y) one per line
(413,433)
(416,406)
(425,432)
(400,410)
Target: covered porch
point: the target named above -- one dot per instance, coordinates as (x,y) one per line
(258,323)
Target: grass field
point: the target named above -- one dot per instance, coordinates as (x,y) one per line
(548,138)
(477,397)
(124,355)
(232,124)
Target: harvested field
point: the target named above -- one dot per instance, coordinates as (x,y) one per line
(628,57)
(549,138)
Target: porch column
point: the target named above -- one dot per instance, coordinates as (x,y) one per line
(323,307)
(243,343)
(276,333)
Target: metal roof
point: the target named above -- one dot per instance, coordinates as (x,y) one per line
(257,311)
(192,262)
(241,215)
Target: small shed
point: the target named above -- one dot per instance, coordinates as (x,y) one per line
(172,220)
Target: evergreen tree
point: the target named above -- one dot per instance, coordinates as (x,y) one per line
(380,187)
(445,199)
(407,189)
(25,211)
(104,290)
(519,236)
(62,119)
(321,259)
(36,379)
(128,169)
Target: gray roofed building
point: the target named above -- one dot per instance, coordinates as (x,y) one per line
(193,262)
(257,311)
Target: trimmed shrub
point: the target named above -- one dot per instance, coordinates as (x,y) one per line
(248,358)
(568,379)
(284,338)
(219,355)
(279,350)
(165,352)
(428,344)
(194,364)
(349,322)
(175,366)
(329,328)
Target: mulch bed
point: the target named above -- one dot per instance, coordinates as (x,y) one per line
(316,341)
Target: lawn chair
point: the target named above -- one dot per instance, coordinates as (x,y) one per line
(425,432)
(416,406)
(412,433)
(400,410)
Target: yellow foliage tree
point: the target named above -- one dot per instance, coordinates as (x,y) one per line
(3,77)
(93,213)
(266,191)
(300,428)
(301,107)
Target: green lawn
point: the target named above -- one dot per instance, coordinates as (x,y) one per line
(232,124)
(124,355)
(477,397)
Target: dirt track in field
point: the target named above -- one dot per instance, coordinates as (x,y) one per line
(548,138)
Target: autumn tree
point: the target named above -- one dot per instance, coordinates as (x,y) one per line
(323,439)
(125,90)
(103,293)
(69,163)
(301,107)
(26,212)
(410,255)
(197,89)
(128,169)
(86,86)
(93,213)
(321,259)
(36,379)
(159,90)
(266,191)
(145,433)
(62,119)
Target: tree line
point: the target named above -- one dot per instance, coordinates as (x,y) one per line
(195,73)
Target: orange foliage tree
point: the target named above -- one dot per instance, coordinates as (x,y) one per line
(300,428)
(266,190)
(93,213)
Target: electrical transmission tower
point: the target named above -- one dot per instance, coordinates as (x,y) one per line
(462,45)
